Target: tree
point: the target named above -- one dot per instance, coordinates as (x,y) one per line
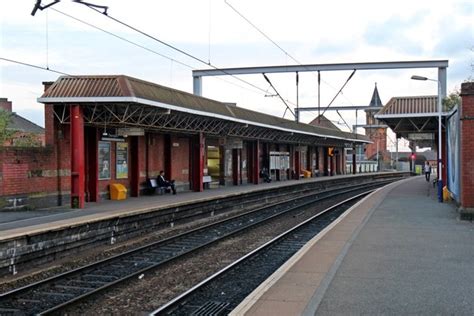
(451,100)
(5,133)
(15,137)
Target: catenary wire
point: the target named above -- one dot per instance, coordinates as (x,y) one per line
(174,48)
(35,66)
(143,47)
(278,46)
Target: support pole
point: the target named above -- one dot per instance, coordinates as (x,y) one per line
(197,85)
(396,155)
(198,163)
(77,157)
(256,162)
(354,157)
(297,111)
(440,143)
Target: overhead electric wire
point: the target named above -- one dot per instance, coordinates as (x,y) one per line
(141,46)
(172,47)
(35,66)
(282,49)
(278,94)
(121,38)
(340,90)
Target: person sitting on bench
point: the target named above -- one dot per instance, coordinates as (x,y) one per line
(264,174)
(163,183)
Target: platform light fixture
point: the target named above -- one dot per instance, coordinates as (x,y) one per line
(440,113)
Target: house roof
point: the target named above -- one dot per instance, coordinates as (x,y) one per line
(323,121)
(124,89)
(19,123)
(410,105)
(411,114)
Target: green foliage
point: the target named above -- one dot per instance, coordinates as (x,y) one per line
(14,137)
(26,140)
(451,100)
(5,133)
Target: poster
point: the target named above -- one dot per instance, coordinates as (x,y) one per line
(121,160)
(104,160)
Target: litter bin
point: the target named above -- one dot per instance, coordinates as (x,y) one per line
(446,194)
(118,191)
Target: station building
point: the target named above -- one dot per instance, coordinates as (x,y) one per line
(102,130)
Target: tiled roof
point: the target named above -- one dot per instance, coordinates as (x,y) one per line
(410,105)
(89,89)
(323,121)
(19,123)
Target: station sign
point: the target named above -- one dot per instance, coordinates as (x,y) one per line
(131,131)
(421,136)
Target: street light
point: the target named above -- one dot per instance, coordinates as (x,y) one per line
(440,178)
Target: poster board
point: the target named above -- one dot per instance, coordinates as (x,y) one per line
(104,160)
(279,160)
(121,160)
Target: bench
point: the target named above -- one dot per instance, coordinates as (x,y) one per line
(151,186)
(206,180)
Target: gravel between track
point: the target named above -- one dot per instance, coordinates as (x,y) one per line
(139,296)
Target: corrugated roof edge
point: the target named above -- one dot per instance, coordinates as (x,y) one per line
(125,85)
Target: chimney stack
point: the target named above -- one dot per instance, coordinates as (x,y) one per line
(47,84)
(5,104)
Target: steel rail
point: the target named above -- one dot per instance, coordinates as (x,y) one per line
(320,195)
(169,308)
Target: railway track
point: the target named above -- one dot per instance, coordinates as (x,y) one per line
(62,290)
(222,292)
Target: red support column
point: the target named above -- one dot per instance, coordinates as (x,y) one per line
(198,163)
(135,165)
(77,156)
(297,165)
(92,164)
(338,161)
(255,161)
(167,155)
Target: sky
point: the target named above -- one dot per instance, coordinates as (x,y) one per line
(294,32)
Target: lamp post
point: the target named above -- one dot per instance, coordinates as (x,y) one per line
(440,177)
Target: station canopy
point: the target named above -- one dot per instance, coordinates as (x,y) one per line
(120,101)
(412,117)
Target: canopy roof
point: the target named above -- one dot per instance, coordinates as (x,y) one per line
(413,114)
(122,101)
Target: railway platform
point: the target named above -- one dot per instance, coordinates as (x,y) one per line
(397,252)
(29,238)
(15,222)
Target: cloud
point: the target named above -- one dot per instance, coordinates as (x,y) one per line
(395,33)
(455,42)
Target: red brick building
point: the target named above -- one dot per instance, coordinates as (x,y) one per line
(467,150)
(102,130)
(25,131)
(375,130)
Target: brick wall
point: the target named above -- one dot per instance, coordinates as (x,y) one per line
(31,174)
(380,135)
(5,104)
(180,159)
(467,145)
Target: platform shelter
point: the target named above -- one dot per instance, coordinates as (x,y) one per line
(124,130)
